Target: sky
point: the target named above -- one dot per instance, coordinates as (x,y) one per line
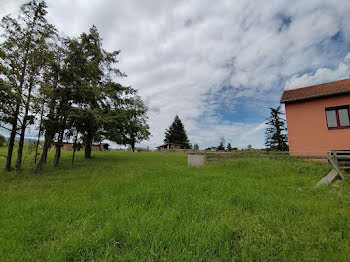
(219,65)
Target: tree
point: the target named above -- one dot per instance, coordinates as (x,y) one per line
(136,127)
(275,137)
(81,77)
(221,144)
(229,147)
(2,140)
(53,94)
(23,41)
(38,58)
(176,133)
(100,103)
(196,147)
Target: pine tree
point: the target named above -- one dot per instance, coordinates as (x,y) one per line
(276,138)
(229,147)
(176,133)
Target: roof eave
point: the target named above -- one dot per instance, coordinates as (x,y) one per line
(285,101)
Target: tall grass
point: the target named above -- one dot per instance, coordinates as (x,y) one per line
(123,206)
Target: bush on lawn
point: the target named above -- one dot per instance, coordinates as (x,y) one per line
(2,140)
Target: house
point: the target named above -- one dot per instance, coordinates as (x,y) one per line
(169,146)
(318,118)
(67,146)
(104,147)
(100,147)
(96,147)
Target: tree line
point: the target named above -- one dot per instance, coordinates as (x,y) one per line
(275,135)
(64,87)
(221,146)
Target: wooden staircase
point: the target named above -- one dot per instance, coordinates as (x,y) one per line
(342,159)
(338,159)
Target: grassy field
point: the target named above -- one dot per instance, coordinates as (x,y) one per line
(122,206)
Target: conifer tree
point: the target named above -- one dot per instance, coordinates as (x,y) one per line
(176,133)
(275,136)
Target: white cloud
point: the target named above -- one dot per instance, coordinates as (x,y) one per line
(179,54)
(322,75)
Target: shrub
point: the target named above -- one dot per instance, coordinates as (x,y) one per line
(2,140)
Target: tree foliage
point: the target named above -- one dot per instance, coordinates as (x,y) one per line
(275,134)
(176,133)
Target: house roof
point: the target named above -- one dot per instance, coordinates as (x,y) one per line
(316,91)
(142,148)
(169,144)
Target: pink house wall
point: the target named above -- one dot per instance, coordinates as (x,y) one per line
(308,133)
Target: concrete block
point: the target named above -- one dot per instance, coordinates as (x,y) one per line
(196,159)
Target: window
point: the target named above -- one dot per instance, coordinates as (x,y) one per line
(338,117)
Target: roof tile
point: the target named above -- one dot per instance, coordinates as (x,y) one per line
(316,91)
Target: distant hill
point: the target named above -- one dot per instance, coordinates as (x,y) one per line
(26,139)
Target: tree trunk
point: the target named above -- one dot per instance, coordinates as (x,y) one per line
(39,134)
(20,147)
(49,136)
(45,155)
(133,145)
(74,148)
(15,119)
(48,140)
(57,155)
(88,151)
(23,129)
(58,149)
(88,144)
(11,142)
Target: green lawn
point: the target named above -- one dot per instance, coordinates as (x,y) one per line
(122,206)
